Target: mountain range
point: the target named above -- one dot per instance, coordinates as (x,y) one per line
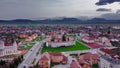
(60,21)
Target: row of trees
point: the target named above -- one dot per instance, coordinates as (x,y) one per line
(2,63)
(16,62)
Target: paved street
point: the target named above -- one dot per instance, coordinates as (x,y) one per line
(31,55)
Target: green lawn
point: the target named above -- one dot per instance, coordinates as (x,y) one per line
(21,39)
(78,46)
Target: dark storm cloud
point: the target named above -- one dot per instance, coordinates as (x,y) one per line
(103,10)
(104,2)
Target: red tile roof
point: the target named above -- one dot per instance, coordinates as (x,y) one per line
(108,51)
(93,45)
(82,61)
(8,44)
(65,58)
(89,56)
(75,64)
(56,54)
(89,38)
(44,58)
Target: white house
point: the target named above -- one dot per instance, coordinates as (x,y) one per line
(89,40)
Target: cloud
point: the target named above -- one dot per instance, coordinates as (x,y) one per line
(11,9)
(111,16)
(105,2)
(118,12)
(103,10)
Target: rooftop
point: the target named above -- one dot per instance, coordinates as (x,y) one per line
(111,60)
(89,56)
(114,54)
(56,53)
(94,45)
(44,58)
(75,64)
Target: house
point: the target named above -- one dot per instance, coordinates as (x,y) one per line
(23,36)
(88,40)
(58,57)
(53,57)
(88,59)
(105,41)
(94,45)
(30,38)
(44,61)
(34,36)
(75,64)
(83,63)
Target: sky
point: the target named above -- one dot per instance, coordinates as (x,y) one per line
(41,9)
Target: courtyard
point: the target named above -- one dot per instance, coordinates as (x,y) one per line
(78,46)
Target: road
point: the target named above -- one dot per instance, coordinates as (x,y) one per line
(31,55)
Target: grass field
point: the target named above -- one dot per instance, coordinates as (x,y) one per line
(78,46)
(21,39)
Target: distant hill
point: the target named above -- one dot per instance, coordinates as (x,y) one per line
(21,20)
(102,21)
(60,21)
(97,19)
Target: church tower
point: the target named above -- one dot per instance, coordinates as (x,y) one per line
(1,45)
(15,45)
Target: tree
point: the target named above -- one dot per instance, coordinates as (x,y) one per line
(63,38)
(2,63)
(95,66)
(22,57)
(36,66)
(11,66)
